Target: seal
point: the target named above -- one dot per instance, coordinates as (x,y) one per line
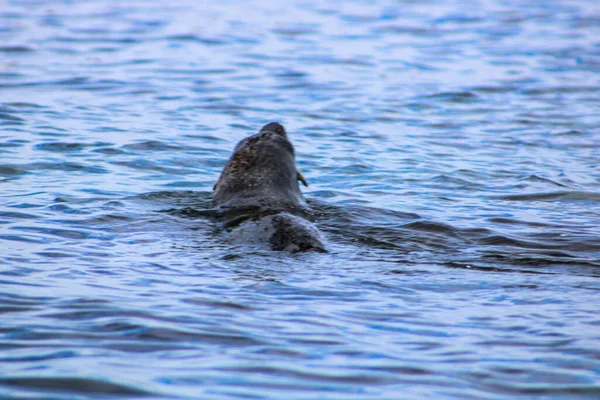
(258,195)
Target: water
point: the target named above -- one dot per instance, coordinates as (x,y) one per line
(452,155)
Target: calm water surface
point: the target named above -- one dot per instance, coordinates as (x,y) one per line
(452,152)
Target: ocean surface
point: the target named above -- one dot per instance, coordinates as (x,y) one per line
(452,151)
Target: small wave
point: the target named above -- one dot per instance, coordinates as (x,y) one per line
(567,195)
(452,97)
(16,49)
(152,145)
(61,147)
(10,119)
(73,385)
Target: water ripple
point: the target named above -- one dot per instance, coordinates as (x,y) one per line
(453,168)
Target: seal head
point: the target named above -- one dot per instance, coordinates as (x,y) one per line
(259,197)
(261,172)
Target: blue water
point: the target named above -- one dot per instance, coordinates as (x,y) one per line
(452,151)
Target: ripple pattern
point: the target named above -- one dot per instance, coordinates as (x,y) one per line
(452,156)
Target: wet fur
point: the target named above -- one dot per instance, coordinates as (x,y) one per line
(259,197)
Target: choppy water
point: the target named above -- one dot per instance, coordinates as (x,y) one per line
(453,157)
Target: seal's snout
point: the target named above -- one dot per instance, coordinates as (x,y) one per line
(275,127)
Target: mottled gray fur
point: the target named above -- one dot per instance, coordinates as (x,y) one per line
(259,197)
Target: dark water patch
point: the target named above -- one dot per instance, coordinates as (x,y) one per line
(538,259)
(213,304)
(431,227)
(120,40)
(6,309)
(71,386)
(14,143)
(560,195)
(571,391)
(75,83)
(500,240)
(537,91)
(495,89)
(153,145)
(512,221)
(536,178)
(109,129)
(24,106)
(65,147)
(51,131)
(364,227)
(453,97)
(9,119)
(103,220)
(213,337)
(92,31)
(65,209)
(25,238)
(48,355)
(298,30)
(409,29)
(11,170)
(55,254)
(12,215)
(574,132)
(211,41)
(175,195)
(296,84)
(169,98)
(384,229)
(291,74)
(97,311)
(109,151)
(67,166)
(11,75)
(205,138)
(16,49)
(453,181)
(62,233)
(325,59)
(386,239)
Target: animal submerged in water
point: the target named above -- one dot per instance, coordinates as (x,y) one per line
(259,198)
